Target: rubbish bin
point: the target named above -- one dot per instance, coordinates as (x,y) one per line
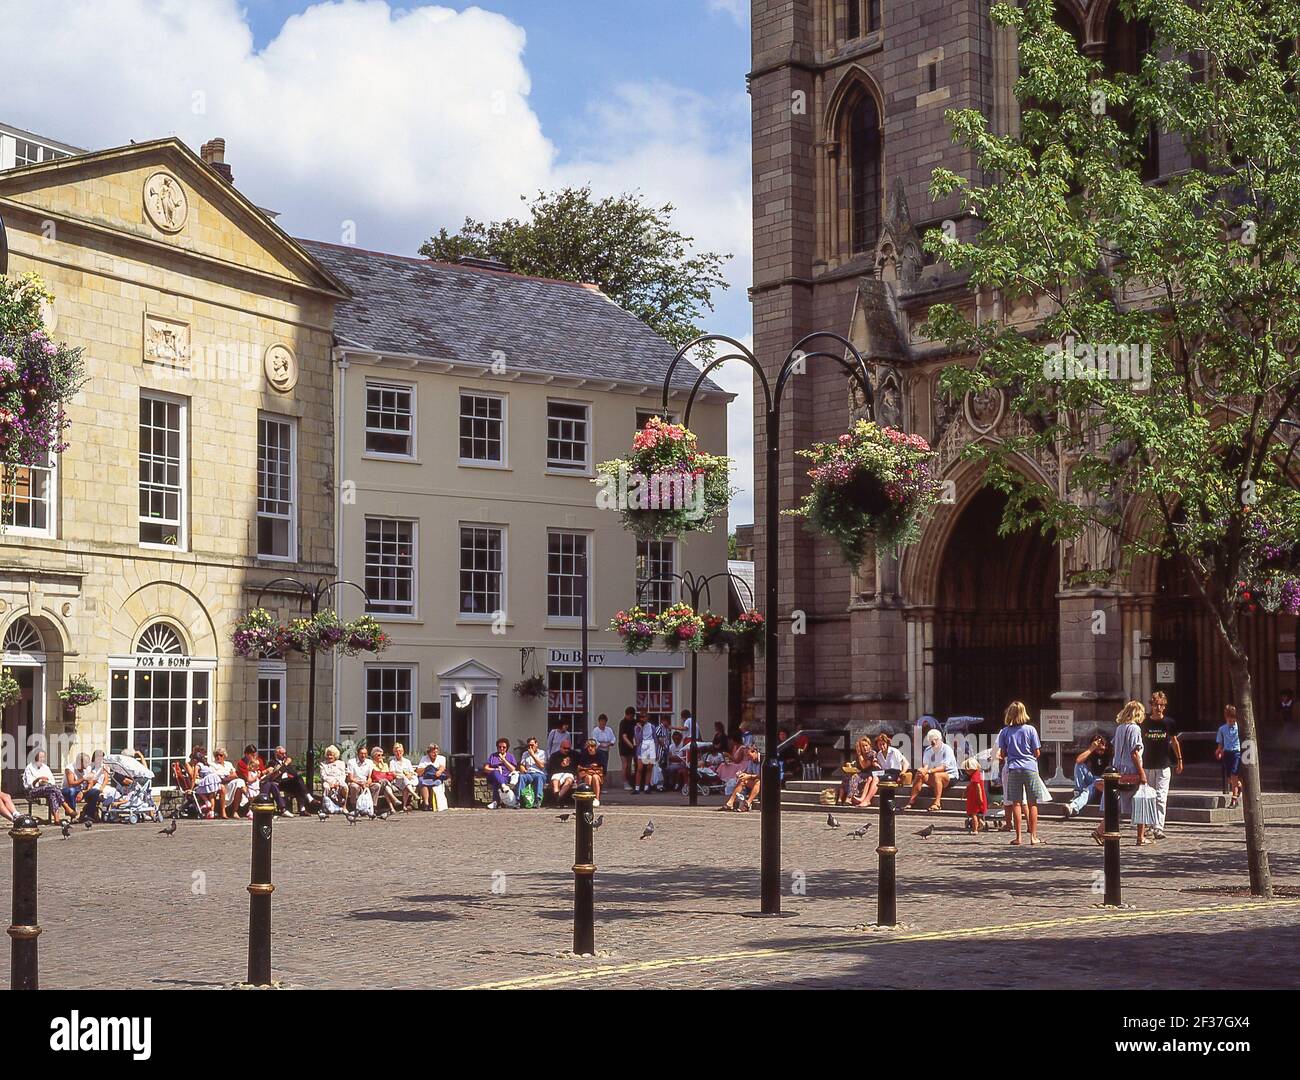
(462,780)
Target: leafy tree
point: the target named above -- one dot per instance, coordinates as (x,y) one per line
(628,248)
(1200,267)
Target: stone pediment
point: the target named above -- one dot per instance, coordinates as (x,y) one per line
(470,671)
(161,193)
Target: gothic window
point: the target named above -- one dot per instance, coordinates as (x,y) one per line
(1126,45)
(864,154)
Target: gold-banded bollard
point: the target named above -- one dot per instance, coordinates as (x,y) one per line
(23,928)
(584,873)
(1110,836)
(259,897)
(886,900)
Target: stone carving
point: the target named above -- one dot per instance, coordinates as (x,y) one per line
(281,367)
(165,202)
(1094,553)
(960,432)
(984,409)
(898,252)
(166,341)
(945,410)
(889,403)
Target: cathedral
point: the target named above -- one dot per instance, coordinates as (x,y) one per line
(848,101)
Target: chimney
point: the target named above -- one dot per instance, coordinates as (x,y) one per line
(478,263)
(213,153)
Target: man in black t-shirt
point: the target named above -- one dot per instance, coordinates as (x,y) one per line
(627,747)
(1160,748)
(562,772)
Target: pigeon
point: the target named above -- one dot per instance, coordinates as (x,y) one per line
(88,823)
(858,834)
(170,830)
(648,831)
(382,817)
(351,817)
(323,816)
(66,829)
(925,833)
(831,822)
(600,820)
(564,817)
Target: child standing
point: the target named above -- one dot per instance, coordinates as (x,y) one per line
(1228,750)
(977,800)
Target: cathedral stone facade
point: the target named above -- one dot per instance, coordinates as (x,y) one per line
(848,103)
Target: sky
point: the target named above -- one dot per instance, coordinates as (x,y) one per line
(389,122)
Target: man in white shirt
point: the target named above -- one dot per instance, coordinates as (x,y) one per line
(359,770)
(605,737)
(690,726)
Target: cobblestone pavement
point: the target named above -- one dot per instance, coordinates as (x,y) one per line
(470,898)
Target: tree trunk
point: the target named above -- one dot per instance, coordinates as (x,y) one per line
(1261,879)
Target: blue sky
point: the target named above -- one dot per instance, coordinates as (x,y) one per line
(368,122)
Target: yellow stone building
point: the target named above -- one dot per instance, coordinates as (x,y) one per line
(199,465)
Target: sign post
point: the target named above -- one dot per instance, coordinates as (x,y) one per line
(1057,726)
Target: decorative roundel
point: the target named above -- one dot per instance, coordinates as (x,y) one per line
(281,367)
(165,202)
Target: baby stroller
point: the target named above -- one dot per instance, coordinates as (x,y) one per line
(135,800)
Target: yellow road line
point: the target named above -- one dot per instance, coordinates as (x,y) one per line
(707,959)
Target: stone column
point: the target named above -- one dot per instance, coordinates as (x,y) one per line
(1092,654)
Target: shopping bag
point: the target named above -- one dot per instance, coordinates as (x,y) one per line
(1145,810)
(366,803)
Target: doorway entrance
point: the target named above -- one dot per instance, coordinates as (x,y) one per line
(23,656)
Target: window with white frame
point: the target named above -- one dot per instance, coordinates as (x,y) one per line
(643,417)
(277,532)
(390,419)
(389,705)
(655,565)
(163,471)
(482,429)
(564,698)
(270,713)
(482,573)
(566,567)
(390,566)
(568,428)
(26,153)
(27,500)
(654,694)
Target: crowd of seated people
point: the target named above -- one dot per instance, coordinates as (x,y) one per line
(91,783)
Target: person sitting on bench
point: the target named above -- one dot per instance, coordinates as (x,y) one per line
(938,770)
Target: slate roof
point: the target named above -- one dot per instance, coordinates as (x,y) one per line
(417,307)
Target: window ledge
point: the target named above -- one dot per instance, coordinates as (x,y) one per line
(370,455)
(498,466)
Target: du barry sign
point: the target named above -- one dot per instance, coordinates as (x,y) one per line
(614,658)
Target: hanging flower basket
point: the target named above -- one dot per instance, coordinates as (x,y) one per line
(636,627)
(870,489)
(1278,592)
(531,688)
(329,630)
(746,631)
(37,379)
(668,485)
(10,691)
(363,634)
(1271,578)
(259,635)
(681,627)
(716,636)
(79,692)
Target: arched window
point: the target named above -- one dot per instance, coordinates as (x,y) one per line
(160,638)
(864,154)
(23,637)
(1126,45)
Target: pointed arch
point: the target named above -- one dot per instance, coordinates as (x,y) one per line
(855,123)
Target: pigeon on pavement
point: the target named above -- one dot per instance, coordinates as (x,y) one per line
(858,834)
(66,829)
(600,820)
(831,822)
(170,830)
(925,833)
(648,831)
(323,816)
(351,817)
(564,817)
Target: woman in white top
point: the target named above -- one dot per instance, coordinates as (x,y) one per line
(232,792)
(647,753)
(405,780)
(334,781)
(38,782)
(81,785)
(432,771)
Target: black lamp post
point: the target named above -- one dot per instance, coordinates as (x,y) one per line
(695,587)
(313,596)
(795,362)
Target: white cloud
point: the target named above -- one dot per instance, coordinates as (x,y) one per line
(737,9)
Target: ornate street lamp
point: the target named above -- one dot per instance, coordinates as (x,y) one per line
(312,596)
(695,587)
(804,352)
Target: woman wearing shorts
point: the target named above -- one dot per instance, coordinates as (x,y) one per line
(1018,748)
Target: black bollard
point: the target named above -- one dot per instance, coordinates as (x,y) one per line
(584,873)
(1110,836)
(259,897)
(887,900)
(23,930)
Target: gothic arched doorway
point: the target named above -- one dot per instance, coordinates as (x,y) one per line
(995,619)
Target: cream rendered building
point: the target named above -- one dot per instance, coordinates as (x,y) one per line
(200,457)
(472,404)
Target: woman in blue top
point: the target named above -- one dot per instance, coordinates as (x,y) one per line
(1019,747)
(1228,750)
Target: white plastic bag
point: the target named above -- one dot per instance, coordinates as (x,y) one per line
(365,803)
(1145,809)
